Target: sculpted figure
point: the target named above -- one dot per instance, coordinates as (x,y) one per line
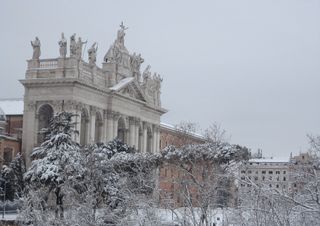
(63,46)
(136,61)
(92,52)
(36,49)
(121,34)
(157,81)
(146,74)
(79,48)
(73,45)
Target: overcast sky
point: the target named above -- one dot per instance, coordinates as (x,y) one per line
(251,65)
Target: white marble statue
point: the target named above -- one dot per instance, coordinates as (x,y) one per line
(36,49)
(63,46)
(121,34)
(136,61)
(146,75)
(79,48)
(73,45)
(92,53)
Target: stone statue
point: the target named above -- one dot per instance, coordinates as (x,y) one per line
(79,48)
(63,46)
(146,74)
(136,61)
(36,49)
(157,81)
(121,34)
(73,45)
(92,53)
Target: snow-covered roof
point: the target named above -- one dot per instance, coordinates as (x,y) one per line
(173,128)
(270,160)
(122,83)
(12,106)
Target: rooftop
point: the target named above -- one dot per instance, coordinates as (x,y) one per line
(270,160)
(13,106)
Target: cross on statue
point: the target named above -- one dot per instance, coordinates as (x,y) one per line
(123,27)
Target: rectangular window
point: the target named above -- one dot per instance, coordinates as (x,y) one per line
(7,155)
(263,172)
(249,171)
(284,178)
(284,172)
(270,172)
(243,171)
(277,172)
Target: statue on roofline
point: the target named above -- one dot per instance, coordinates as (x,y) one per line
(36,49)
(121,34)
(92,53)
(63,46)
(73,45)
(79,48)
(135,62)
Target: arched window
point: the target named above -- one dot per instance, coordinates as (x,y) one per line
(84,127)
(149,140)
(45,114)
(122,130)
(98,128)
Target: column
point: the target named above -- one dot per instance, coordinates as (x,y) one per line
(158,140)
(145,138)
(116,117)
(154,139)
(105,127)
(137,134)
(132,131)
(29,115)
(110,134)
(77,120)
(92,125)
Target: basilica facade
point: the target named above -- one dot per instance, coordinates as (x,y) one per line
(116,100)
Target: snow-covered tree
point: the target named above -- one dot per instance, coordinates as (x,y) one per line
(56,172)
(203,177)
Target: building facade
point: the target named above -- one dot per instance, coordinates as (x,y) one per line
(270,172)
(115,100)
(9,145)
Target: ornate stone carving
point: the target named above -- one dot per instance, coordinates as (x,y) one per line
(63,46)
(116,116)
(57,105)
(121,34)
(151,86)
(117,52)
(92,54)
(136,61)
(70,105)
(36,49)
(73,45)
(31,106)
(79,46)
(93,110)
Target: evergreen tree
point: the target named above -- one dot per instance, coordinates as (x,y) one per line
(56,171)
